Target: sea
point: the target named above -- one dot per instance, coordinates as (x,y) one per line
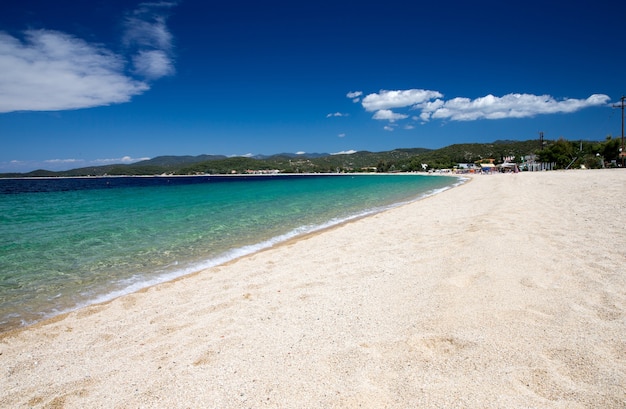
(66,243)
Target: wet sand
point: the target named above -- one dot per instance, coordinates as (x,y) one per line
(506,292)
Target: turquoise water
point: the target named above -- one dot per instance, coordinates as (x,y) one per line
(66,247)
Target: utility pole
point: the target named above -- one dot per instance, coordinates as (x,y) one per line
(541,140)
(622,152)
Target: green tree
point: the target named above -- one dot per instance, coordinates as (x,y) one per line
(610,149)
(561,153)
(382,166)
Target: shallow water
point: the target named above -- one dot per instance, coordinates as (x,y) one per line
(65,243)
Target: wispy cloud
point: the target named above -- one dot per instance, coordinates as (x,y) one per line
(52,71)
(122,160)
(63,164)
(153,64)
(147,35)
(47,70)
(336,114)
(349,152)
(94,162)
(146,26)
(64,161)
(431,105)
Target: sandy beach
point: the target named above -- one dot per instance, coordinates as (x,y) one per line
(506,292)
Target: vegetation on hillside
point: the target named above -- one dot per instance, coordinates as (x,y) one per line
(563,153)
(591,155)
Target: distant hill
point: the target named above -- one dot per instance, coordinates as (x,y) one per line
(291,155)
(404,159)
(174,161)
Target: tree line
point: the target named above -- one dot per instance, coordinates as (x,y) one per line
(563,153)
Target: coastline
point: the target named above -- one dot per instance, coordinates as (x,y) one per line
(229,254)
(230,175)
(501,292)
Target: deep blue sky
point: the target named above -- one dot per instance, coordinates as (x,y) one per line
(96,82)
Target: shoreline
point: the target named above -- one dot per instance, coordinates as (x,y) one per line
(229,175)
(502,292)
(229,255)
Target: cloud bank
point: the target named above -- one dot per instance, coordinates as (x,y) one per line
(431,105)
(63,164)
(49,70)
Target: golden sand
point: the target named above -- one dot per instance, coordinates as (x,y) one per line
(506,292)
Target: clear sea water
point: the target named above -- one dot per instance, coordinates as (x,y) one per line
(67,243)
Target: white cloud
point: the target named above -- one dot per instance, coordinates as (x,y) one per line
(388,115)
(424,116)
(53,71)
(62,164)
(95,162)
(508,106)
(431,105)
(145,26)
(124,160)
(355,96)
(48,70)
(398,99)
(388,128)
(153,64)
(341,135)
(336,114)
(147,34)
(349,152)
(300,153)
(64,161)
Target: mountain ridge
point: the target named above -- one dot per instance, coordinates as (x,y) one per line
(400,159)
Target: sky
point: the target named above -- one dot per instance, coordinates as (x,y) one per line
(111,81)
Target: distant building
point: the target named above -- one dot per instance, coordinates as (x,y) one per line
(262,171)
